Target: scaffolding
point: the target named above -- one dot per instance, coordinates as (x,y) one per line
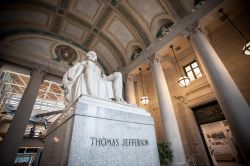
(12,86)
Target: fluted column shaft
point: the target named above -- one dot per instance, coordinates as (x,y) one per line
(130,89)
(167,113)
(232,102)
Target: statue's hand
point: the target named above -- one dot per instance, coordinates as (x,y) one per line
(62,86)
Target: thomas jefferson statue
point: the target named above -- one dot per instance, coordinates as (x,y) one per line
(86,78)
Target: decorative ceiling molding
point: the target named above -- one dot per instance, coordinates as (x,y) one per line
(57,24)
(147,10)
(87,9)
(28,16)
(8,33)
(132,21)
(182,25)
(119,55)
(25,18)
(35,45)
(74,31)
(80,21)
(11,33)
(102,49)
(83,21)
(178,8)
(120,32)
(105,14)
(23,57)
(73,18)
(100,22)
(88,40)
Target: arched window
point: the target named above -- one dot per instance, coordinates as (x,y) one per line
(164,29)
(135,54)
(199,3)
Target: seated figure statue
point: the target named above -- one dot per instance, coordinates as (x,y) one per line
(86,78)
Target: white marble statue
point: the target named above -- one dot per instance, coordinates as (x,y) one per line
(86,78)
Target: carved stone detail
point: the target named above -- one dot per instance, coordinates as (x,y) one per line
(39,68)
(153,59)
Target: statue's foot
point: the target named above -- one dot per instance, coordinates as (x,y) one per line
(120,100)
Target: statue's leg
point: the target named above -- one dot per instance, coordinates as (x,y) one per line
(91,82)
(117,85)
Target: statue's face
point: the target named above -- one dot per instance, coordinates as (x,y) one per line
(91,55)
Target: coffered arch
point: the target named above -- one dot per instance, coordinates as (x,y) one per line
(70,27)
(25,16)
(131,48)
(115,24)
(42,44)
(147,13)
(158,22)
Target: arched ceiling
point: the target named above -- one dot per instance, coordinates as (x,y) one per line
(112,28)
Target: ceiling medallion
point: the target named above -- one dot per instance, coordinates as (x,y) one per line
(65,53)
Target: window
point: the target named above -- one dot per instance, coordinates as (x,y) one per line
(164,29)
(192,70)
(135,54)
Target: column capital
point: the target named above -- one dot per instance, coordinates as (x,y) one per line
(129,76)
(37,68)
(191,30)
(154,59)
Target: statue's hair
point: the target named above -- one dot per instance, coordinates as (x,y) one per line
(91,52)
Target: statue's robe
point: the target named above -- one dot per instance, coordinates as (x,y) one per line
(86,78)
(74,83)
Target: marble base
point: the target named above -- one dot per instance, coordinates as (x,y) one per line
(101,133)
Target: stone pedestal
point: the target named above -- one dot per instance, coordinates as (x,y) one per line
(99,132)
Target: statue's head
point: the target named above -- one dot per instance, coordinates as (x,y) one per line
(91,55)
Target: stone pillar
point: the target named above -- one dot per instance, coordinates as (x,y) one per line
(167,113)
(14,136)
(1,68)
(233,104)
(130,89)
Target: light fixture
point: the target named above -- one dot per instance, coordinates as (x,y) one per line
(246,47)
(183,81)
(145,99)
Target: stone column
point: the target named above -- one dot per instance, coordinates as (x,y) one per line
(233,104)
(14,136)
(130,89)
(167,113)
(1,68)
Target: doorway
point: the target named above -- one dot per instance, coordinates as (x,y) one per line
(216,134)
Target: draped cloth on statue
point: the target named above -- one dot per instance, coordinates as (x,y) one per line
(77,78)
(86,78)
(74,83)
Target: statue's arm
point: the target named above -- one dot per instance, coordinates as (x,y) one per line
(74,72)
(70,75)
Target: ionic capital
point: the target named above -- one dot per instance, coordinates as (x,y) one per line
(154,59)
